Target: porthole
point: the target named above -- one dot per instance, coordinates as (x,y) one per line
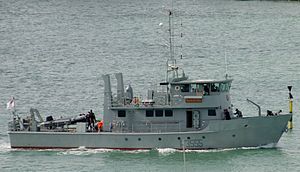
(126,139)
(139,139)
(246,125)
(233,135)
(203,137)
(188,138)
(178,138)
(159,139)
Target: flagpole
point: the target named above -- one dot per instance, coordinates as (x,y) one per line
(12,109)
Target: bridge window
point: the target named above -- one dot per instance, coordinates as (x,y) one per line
(185,88)
(206,88)
(196,88)
(121,113)
(224,87)
(215,87)
(149,113)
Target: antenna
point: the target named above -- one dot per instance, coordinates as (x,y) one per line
(171,67)
(181,36)
(226,70)
(170,34)
(172,74)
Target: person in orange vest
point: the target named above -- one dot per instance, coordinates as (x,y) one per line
(100,125)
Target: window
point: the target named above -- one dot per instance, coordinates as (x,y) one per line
(121,113)
(215,87)
(185,88)
(196,88)
(168,113)
(224,87)
(212,112)
(206,89)
(159,113)
(177,87)
(149,113)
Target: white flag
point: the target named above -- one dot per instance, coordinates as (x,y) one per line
(11,103)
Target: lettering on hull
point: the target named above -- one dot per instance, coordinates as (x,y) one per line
(194,143)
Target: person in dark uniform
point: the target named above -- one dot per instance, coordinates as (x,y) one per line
(227,115)
(88,120)
(270,113)
(92,119)
(206,89)
(238,113)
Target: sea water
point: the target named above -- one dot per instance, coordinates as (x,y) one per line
(53,53)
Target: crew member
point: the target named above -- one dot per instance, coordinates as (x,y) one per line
(278,113)
(100,125)
(238,113)
(92,118)
(270,113)
(88,120)
(226,114)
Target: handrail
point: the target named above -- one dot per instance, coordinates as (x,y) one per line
(259,109)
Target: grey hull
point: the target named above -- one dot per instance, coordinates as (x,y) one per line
(239,132)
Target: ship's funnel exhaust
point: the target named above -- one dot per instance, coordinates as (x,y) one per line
(120,87)
(107,91)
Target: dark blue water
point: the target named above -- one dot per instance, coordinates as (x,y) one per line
(53,53)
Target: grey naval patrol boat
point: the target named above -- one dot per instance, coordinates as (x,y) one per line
(189,114)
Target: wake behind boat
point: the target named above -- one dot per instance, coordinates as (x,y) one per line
(190,114)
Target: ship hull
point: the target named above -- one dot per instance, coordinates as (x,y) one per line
(235,133)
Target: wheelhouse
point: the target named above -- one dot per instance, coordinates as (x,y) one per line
(200,87)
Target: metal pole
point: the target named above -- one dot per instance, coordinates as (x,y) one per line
(183,148)
(170,38)
(259,109)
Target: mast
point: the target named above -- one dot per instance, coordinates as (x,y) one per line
(171,38)
(172,68)
(171,62)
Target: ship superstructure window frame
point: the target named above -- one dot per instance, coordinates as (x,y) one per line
(149,113)
(211,112)
(206,89)
(168,113)
(185,88)
(122,113)
(197,87)
(225,86)
(215,87)
(159,113)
